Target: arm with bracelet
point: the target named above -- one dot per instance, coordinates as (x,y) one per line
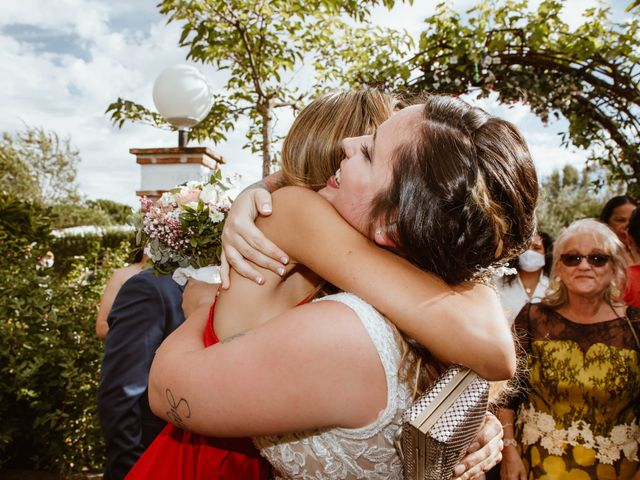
(512,467)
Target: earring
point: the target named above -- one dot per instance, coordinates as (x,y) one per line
(378,232)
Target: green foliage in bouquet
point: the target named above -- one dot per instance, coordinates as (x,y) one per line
(184,227)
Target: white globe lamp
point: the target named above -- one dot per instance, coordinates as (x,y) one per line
(183,97)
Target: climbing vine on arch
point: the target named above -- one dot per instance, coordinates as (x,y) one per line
(588,74)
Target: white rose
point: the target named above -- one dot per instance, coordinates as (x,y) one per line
(193,205)
(209,194)
(192,184)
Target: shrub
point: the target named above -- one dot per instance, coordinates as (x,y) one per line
(49,355)
(70,243)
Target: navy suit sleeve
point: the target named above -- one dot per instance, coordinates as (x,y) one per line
(136,329)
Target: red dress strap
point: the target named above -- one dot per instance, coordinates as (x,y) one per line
(210,337)
(179,455)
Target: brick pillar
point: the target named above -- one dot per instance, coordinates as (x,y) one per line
(161,169)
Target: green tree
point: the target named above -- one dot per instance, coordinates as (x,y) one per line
(100,213)
(68,214)
(262,44)
(37,164)
(588,74)
(565,196)
(118,213)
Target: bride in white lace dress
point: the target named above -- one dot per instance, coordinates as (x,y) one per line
(435,184)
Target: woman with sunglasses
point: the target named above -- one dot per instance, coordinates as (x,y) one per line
(577,416)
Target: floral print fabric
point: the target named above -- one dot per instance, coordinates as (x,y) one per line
(579,416)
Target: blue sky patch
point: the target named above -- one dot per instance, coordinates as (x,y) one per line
(45,40)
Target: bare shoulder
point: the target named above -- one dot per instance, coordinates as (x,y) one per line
(292,191)
(323,321)
(330,329)
(118,277)
(291,199)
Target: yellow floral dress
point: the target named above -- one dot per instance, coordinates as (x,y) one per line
(578,416)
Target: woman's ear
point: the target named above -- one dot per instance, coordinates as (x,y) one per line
(381,236)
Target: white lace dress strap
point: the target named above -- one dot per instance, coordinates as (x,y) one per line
(349,453)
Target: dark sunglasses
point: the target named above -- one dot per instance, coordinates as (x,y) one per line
(573,260)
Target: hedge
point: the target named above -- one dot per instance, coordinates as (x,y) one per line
(49,354)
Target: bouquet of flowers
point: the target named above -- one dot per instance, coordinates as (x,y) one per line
(181,231)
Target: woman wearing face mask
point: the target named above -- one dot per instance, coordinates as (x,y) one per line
(531,281)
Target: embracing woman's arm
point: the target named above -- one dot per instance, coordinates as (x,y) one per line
(463,324)
(260,382)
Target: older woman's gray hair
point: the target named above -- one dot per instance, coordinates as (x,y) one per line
(610,244)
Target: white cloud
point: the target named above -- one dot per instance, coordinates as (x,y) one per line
(64,61)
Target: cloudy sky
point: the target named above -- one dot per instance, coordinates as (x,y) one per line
(62,62)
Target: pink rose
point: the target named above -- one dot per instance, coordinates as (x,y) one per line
(187,195)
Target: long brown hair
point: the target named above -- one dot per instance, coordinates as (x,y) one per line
(462,197)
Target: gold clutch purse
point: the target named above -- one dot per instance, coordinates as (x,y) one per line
(439,427)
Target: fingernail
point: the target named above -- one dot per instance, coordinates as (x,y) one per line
(281,271)
(266,207)
(474,446)
(284,260)
(259,280)
(459,470)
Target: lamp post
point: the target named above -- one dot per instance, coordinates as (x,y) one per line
(183,97)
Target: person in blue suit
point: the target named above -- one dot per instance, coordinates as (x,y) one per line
(146,310)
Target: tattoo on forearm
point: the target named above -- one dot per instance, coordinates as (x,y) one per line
(232,337)
(177,410)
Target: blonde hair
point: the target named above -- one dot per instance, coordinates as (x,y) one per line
(558,295)
(312,150)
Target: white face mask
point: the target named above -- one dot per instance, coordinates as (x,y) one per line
(531,261)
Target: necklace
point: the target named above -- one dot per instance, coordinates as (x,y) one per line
(529,289)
